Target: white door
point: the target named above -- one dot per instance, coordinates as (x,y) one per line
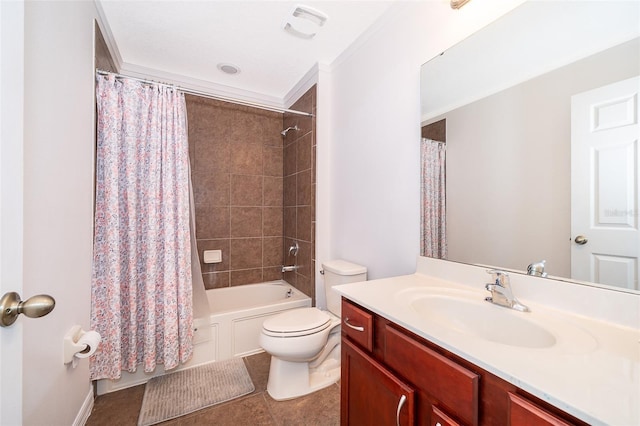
(605,185)
(11,168)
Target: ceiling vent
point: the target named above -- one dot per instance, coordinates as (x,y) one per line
(304,22)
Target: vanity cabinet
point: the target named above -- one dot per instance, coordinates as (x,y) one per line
(525,412)
(371,394)
(381,362)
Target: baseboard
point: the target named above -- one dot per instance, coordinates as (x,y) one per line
(85,410)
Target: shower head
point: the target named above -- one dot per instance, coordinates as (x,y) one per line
(285,131)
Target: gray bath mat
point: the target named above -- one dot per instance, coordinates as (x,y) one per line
(183,392)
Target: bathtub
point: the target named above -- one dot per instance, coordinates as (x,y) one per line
(237,314)
(231,330)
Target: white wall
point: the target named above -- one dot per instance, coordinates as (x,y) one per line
(58,203)
(372,134)
(11,171)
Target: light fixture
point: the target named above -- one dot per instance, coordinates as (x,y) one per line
(304,21)
(228,68)
(457,4)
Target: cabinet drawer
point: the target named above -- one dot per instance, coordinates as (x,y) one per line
(525,412)
(454,387)
(357,324)
(440,418)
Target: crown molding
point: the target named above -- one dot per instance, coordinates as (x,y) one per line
(206,87)
(302,86)
(108,35)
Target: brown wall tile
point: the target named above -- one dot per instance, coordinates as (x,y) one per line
(289,190)
(306,103)
(247,159)
(246,276)
(246,190)
(211,156)
(272,274)
(216,280)
(246,222)
(272,161)
(290,157)
(306,285)
(246,253)
(272,221)
(272,251)
(303,223)
(304,153)
(290,222)
(299,184)
(212,222)
(212,189)
(303,190)
(304,259)
(290,277)
(238,160)
(273,191)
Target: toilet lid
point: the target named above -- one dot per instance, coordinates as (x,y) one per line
(298,322)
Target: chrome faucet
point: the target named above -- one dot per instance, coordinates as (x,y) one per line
(289,268)
(501,293)
(537,269)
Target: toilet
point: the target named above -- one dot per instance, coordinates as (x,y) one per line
(304,343)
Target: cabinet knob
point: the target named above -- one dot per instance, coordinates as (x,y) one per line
(403,398)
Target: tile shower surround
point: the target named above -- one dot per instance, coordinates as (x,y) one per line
(254,191)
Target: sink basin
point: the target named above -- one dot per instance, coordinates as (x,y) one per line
(483,320)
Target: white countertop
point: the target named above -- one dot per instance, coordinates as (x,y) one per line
(592,372)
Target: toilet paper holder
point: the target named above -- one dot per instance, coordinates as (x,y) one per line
(72,345)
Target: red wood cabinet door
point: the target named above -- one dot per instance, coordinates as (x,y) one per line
(370,394)
(456,388)
(440,418)
(523,412)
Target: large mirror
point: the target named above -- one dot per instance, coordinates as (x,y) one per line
(539,115)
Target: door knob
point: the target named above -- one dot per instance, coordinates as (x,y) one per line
(581,240)
(34,307)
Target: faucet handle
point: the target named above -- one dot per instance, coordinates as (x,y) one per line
(499,277)
(537,269)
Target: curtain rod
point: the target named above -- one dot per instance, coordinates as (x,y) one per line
(208,95)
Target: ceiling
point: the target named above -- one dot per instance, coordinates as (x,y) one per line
(182,42)
(572,31)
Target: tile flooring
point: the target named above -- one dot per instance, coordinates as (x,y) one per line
(321,408)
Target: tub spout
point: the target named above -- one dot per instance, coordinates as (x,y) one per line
(289,268)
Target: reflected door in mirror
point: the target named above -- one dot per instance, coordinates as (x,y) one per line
(605,185)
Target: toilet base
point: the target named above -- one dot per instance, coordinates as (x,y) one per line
(288,380)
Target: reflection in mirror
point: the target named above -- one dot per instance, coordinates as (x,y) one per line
(540,114)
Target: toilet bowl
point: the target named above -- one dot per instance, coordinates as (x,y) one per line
(304,343)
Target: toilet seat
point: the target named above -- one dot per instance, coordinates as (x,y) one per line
(296,323)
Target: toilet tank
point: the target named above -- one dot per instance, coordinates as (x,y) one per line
(338,272)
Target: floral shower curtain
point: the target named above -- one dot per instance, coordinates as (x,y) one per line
(433,221)
(141,291)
